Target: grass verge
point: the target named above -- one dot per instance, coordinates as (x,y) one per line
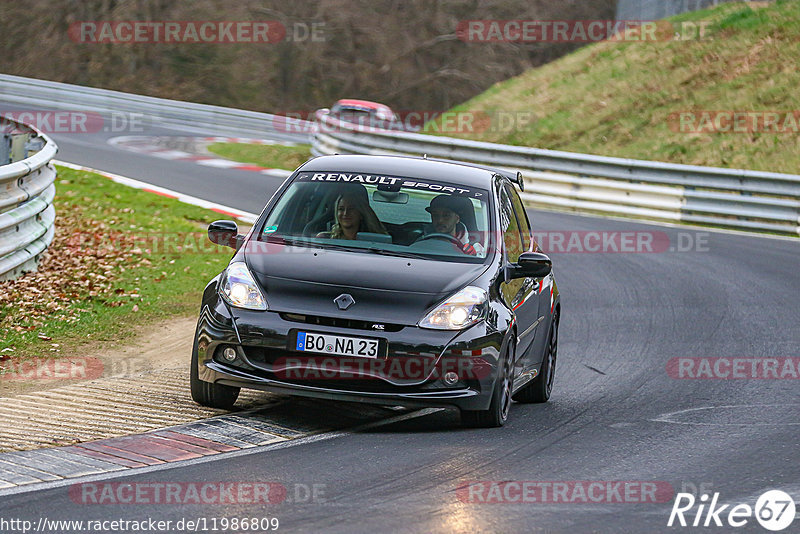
(121,259)
(272,156)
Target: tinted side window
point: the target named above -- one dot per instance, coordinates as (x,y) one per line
(522,217)
(510,227)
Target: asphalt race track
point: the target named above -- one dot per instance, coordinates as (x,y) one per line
(616,413)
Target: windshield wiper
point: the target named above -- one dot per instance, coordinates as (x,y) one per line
(286,240)
(338,246)
(396,253)
(374,250)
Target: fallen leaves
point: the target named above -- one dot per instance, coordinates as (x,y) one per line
(82,264)
(100,277)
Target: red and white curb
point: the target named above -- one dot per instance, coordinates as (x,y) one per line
(197,442)
(183,442)
(245,141)
(151,147)
(243,216)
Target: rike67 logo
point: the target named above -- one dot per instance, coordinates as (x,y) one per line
(774,510)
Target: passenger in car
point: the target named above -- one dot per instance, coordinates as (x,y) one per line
(353,215)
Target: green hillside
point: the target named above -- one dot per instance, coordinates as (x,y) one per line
(625,98)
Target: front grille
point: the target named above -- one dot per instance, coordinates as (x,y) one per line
(340,322)
(265,358)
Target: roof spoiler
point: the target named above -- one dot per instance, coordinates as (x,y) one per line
(515,177)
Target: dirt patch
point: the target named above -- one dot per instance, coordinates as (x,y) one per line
(157,346)
(139,386)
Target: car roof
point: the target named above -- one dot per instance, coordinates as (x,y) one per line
(361,103)
(405,166)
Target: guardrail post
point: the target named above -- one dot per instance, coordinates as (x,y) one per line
(19,147)
(5,149)
(34,144)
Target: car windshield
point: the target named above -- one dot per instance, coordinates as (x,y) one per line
(375,213)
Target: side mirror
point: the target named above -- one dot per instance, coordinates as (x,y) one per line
(532,264)
(225,233)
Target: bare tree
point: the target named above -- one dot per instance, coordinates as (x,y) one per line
(402,52)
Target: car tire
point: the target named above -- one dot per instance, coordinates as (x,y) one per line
(497,414)
(207,393)
(541,387)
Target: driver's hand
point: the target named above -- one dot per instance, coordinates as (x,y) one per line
(467,248)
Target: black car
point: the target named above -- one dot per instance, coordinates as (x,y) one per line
(384,279)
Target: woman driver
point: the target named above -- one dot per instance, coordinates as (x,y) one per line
(353,215)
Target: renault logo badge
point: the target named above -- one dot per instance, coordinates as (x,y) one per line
(344,301)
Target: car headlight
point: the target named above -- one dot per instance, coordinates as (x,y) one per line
(461,310)
(239,288)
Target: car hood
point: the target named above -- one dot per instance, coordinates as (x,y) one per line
(385,288)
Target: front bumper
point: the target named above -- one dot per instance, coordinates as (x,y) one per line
(409,374)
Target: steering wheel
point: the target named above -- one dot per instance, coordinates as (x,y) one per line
(441,236)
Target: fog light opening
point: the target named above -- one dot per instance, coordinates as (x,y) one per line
(229,354)
(450,378)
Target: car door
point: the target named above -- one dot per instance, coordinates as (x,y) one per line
(514,291)
(542,286)
(526,305)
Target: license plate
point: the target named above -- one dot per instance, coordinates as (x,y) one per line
(337,345)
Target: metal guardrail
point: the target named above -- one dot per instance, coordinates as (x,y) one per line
(748,200)
(27,215)
(222,120)
(734,198)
